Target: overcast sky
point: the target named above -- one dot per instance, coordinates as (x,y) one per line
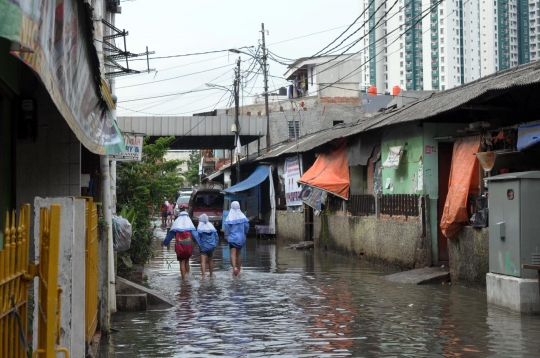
(178,27)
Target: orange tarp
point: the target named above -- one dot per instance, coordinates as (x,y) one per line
(463,174)
(330,172)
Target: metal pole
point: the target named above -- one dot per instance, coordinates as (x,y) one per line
(266,92)
(237,122)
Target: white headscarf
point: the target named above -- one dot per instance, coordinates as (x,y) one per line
(204,225)
(235,214)
(182,223)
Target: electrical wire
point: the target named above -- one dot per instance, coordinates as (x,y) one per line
(173,78)
(185,55)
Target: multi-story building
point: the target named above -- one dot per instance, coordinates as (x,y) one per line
(424,44)
(509,33)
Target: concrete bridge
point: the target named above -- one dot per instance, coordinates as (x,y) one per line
(197,132)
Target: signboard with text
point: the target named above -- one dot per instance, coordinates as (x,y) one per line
(133,151)
(291,175)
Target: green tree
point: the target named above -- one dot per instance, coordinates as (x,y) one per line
(142,186)
(192,174)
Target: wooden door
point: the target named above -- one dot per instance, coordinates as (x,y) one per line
(445,162)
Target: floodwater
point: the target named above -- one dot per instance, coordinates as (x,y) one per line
(288,303)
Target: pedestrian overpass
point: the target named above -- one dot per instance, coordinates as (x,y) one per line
(196,132)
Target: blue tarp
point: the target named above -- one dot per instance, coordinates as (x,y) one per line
(528,136)
(257,177)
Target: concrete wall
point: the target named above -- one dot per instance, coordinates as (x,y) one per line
(290,226)
(389,242)
(71,273)
(317,116)
(469,257)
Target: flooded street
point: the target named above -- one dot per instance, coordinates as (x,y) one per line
(313,304)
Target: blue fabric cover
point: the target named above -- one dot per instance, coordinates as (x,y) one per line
(172,233)
(207,240)
(528,136)
(257,177)
(236,233)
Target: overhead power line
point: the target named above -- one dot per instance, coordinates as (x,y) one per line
(188,54)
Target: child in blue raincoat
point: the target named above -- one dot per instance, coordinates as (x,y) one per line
(236,228)
(184,233)
(208,241)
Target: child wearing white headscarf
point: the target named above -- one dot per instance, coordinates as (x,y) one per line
(208,241)
(184,232)
(236,228)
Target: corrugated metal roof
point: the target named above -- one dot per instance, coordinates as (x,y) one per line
(429,106)
(451,99)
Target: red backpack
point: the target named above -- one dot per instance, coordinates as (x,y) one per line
(183,246)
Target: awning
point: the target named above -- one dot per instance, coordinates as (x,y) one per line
(330,172)
(528,136)
(68,66)
(213,175)
(257,177)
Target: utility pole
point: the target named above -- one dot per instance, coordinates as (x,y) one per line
(266,92)
(237,122)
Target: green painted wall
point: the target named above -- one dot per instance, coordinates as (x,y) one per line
(405,178)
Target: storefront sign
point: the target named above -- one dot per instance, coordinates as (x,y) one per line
(53,39)
(291,175)
(133,153)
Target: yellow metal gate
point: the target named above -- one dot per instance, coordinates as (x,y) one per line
(14,286)
(15,276)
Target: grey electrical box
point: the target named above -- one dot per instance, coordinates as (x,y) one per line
(514,223)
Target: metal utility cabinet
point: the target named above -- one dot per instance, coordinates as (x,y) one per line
(514,223)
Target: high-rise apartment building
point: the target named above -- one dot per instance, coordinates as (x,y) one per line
(509,33)
(432,44)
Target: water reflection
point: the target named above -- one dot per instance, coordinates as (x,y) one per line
(306,304)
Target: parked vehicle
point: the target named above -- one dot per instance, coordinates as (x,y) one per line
(209,202)
(181,201)
(185,192)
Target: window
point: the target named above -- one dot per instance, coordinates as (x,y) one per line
(294,128)
(334,123)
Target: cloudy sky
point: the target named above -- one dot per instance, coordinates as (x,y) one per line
(297,28)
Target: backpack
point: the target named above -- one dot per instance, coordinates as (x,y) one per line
(183,246)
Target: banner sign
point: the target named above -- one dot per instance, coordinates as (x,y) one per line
(291,175)
(52,37)
(134,145)
(313,196)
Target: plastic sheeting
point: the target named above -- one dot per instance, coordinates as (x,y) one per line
(360,149)
(257,177)
(528,136)
(330,172)
(464,169)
